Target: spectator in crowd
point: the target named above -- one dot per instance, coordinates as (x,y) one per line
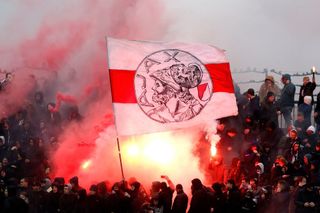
(281,198)
(305,108)
(307,200)
(310,140)
(165,194)
(252,108)
(268,86)
(307,89)
(218,199)
(287,98)
(269,109)
(301,125)
(317,113)
(180,202)
(233,197)
(201,200)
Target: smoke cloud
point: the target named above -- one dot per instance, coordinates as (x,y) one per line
(59,48)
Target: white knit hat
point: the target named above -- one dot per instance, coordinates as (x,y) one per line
(312,128)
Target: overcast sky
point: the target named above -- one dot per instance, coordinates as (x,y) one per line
(279,34)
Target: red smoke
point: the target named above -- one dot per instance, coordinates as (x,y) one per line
(65,57)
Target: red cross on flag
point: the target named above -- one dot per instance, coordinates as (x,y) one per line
(160,86)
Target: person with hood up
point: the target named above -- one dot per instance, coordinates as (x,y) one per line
(310,140)
(268,86)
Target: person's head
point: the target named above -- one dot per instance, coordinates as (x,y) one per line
(306,80)
(311,130)
(38,96)
(250,93)
(307,100)
(74,181)
(135,186)
(217,187)
(300,117)
(293,134)
(281,161)
(55,188)
(286,78)
(282,186)
(179,188)
(67,188)
(164,186)
(259,168)
(302,181)
(306,159)
(230,184)
(270,97)
(24,183)
(295,147)
(196,185)
(269,80)
(5,161)
(93,189)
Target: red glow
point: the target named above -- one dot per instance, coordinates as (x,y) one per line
(85,165)
(213,150)
(160,151)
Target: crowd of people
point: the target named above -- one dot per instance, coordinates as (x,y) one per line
(259,167)
(272,169)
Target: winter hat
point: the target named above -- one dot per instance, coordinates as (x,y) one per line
(261,166)
(270,78)
(307,100)
(312,128)
(286,76)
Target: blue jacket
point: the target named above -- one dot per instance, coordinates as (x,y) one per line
(287,95)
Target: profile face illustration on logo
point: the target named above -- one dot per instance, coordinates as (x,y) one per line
(172,86)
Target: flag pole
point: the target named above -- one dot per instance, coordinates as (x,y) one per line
(120,158)
(115,125)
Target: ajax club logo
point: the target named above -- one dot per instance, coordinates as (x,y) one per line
(172,86)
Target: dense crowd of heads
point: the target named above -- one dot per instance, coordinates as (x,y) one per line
(259,167)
